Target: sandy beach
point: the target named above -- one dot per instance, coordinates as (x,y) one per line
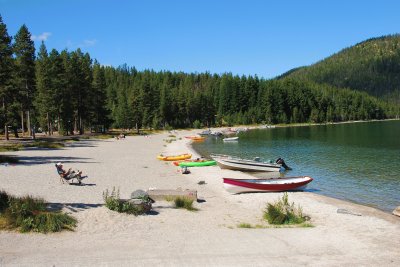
(173,237)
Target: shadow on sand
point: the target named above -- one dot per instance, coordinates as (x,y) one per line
(26,160)
(73,207)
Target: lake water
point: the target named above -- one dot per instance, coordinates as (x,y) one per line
(358,162)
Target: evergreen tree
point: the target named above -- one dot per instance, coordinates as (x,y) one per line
(100,115)
(6,67)
(24,50)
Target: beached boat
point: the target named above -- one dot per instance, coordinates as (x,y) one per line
(236,186)
(174,158)
(196,138)
(216,133)
(231,139)
(176,163)
(256,165)
(206,132)
(197,163)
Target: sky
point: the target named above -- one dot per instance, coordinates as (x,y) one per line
(249,37)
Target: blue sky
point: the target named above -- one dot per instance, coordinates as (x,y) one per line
(249,37)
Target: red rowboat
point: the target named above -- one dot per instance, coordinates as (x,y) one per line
(236,186)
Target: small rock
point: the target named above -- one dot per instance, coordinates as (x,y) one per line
(396,211)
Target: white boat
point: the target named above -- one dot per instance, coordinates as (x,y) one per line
(234,163)
(236,186)
(230,139)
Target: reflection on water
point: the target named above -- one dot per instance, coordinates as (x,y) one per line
(359,162)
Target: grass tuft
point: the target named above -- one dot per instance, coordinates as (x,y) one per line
(10,147)
(29,214)
(184,203)
(113,202)
(282,212)
(245,225)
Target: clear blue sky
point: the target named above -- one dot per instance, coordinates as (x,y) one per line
(247,37)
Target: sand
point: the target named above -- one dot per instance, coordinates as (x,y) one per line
(173,237)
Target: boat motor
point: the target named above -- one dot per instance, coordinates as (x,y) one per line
(282,162)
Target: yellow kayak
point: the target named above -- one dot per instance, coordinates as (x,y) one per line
(174,158)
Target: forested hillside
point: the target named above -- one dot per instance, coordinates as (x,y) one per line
(372,66)
(69,92)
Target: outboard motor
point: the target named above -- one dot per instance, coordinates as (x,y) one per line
(282,162)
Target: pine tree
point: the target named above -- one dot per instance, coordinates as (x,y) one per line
(24,50)
(6,65)
(100,115)
(43,101)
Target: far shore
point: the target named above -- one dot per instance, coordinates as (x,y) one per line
(209,237)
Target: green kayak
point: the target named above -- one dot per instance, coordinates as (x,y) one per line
(197,163)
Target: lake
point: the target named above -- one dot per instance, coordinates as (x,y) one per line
(358,162)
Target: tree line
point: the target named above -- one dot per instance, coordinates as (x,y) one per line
(69,92)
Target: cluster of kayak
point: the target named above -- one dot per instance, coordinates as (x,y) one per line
(184,160)
(234,185)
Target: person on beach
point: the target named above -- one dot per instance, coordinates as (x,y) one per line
(68,175)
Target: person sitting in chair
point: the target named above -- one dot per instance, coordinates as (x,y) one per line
(68,175)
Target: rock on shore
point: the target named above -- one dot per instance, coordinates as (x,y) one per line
(396,211)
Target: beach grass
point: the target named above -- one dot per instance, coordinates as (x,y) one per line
(10,147)
(184,203)
(45,144)
(113,202)
(29,214)
(284,213)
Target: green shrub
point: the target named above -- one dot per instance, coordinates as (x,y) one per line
(184,203)
(3,201)
(281,212)
(30,214)
(113,202)
(197,124)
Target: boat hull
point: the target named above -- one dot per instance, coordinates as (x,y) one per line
(198,163)
(246,165)
(237,186)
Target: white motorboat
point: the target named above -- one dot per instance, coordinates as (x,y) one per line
(256,165)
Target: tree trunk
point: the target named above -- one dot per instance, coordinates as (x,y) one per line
(15,129)
(58,124)
(48,123)
(28,122)
(80,126)
(6,132)
(22,123)
(6,136)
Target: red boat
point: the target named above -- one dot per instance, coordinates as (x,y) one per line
(236,186)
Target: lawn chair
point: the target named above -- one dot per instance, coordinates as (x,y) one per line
(69,175)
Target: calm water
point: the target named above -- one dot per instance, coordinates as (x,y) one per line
(359,162)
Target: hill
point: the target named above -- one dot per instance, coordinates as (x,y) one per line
(372,66)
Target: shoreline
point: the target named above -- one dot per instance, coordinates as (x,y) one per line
(173,237)
(368,209)
(386,209)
